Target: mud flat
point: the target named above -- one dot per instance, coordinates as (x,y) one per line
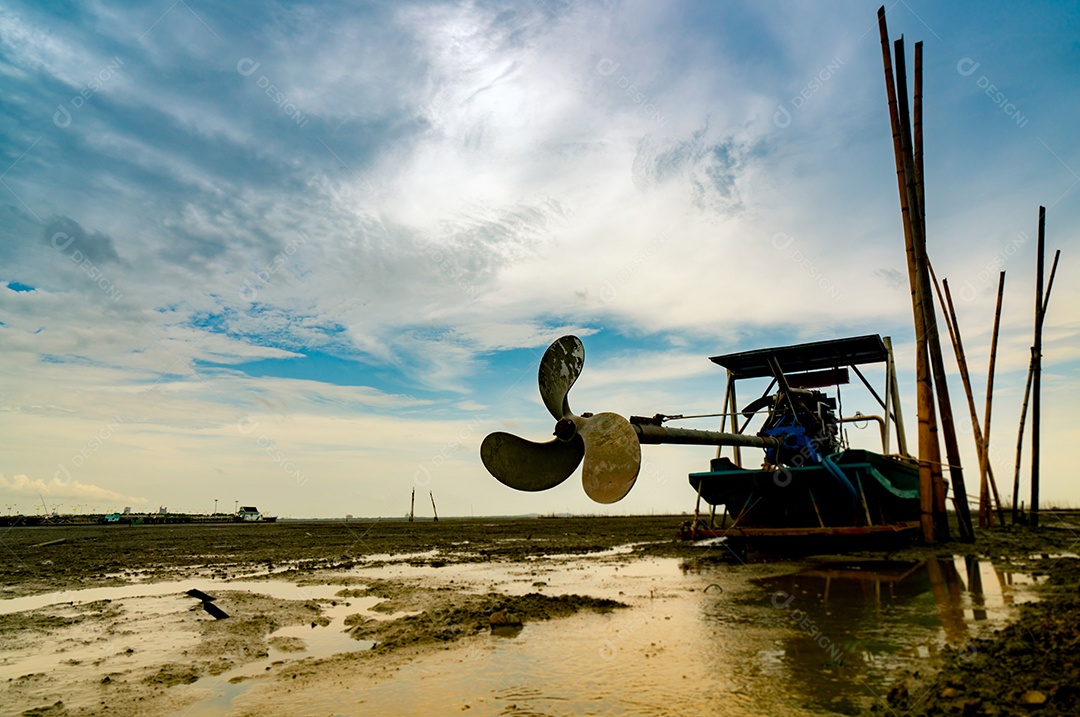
(527,616)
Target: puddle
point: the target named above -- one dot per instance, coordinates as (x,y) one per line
(150,631)
(793,639)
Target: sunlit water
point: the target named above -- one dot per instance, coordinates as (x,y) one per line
(757,639)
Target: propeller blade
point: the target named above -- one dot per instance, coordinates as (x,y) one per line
(559,368)
(525,465)
(612,457)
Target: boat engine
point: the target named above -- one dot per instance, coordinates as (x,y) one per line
(805,419)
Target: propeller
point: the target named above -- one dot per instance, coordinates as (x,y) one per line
(606,442)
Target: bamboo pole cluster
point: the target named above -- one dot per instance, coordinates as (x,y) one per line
(930,366)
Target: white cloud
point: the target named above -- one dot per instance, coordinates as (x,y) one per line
(63,487)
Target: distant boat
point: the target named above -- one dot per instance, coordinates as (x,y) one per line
(251,514)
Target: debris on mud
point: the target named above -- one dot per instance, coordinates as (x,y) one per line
(443,615)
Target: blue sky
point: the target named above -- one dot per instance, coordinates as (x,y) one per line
(305,256)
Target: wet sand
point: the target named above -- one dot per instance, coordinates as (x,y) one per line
(527,616)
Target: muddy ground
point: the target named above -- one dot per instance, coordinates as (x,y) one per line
(1027,667)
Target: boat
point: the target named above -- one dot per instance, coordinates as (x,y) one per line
(815,490)
(811,490)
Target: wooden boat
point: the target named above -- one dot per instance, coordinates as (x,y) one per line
(814,491)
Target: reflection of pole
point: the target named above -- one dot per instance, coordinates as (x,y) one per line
(945,584)
(975,586)
(1005,584)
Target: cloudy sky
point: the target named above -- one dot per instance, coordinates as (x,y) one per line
(306,255)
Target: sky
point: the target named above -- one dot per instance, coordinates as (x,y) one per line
(305,256)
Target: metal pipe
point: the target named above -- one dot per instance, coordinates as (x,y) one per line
(734,418)
(652,434)
(871,417)
(894,391)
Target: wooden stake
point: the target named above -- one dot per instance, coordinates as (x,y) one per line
(990,397)
(433,510)
(1020,437)
(933,340)
(1036,359)
(412,504)
(924,389)
(965,377)
(928,332)
(1027,394)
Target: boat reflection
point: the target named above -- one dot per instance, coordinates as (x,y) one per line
(845,627)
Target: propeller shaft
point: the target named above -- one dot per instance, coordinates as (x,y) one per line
(648,433)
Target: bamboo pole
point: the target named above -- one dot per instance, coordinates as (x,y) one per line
(990,397)
(433,510)
(947,425)
(924,389)
(1036,359)
(965,378)
(1027,395)
(1020,437)
(928,323)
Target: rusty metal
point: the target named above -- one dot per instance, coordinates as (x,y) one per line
(612,457)
(525,465)
(559,369)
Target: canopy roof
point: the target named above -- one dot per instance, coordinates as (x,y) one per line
(805,357)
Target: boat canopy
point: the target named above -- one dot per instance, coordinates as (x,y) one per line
(805,357)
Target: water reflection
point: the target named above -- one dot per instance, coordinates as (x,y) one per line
(845,627)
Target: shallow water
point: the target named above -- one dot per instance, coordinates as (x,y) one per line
(792,638)
(750,639)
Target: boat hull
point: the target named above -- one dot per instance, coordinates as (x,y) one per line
(856,497)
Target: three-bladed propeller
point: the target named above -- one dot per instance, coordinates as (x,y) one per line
(606,441)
